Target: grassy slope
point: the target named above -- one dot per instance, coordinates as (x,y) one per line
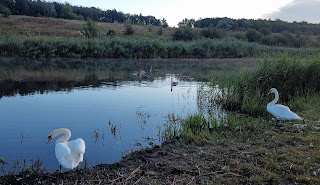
(36,26)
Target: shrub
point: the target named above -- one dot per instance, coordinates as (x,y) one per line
(253,35)
(111,33)
(212,33)
(90,29)
(185,34)
(160,32)
(128,30)
(240,36)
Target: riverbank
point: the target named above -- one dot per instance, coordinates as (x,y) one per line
(260,152)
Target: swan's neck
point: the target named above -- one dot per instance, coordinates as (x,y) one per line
(66,135)
(276,98)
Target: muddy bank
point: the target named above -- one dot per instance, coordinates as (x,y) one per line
(173,163)
(261,153)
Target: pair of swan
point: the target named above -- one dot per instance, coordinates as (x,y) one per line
(68,153)
(281,112)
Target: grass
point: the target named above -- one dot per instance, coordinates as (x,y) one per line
(293,77)
(21,166)
(52,27)
(262,151)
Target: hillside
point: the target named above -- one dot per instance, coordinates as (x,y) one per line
(38,26)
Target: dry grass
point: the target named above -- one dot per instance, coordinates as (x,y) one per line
(36,26)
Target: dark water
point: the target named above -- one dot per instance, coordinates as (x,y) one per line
(90,97)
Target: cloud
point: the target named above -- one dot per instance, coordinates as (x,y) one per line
(298,10)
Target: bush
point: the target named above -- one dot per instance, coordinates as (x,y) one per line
(253,35)
(160,32)
(212,33)
(240,36)
(90,29)
(128,30)
(185,34)
(111,33)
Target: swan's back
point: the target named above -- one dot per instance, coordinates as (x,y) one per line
(282,112)
(70,153)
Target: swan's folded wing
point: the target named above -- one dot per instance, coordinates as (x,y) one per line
(281,109)
(79,145)
(62,150)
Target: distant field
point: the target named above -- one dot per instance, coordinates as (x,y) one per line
(37,26)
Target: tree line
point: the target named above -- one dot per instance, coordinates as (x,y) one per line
(262,25)
(40,8)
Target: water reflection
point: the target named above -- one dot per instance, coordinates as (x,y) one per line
(104,102)
(26,76)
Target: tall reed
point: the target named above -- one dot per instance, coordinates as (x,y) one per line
(116,47)
(292,76)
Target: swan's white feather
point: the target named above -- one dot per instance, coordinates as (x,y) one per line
(70,153)
(282,112)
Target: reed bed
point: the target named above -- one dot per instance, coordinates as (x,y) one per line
(46,47)
(293,77)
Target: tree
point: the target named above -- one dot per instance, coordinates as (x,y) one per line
(186,34)
(164,23)
(253,35)
(212,33)
(67,13)
(58,7)
(5,11)
(186,23)
(22,7)
(226,24)
(8,4)
(90,29)
(49,10)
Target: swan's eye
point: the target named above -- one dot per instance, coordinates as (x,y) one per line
(49,137)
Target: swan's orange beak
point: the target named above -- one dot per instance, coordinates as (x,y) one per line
(49,139)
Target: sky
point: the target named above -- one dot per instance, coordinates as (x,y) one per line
(175,11)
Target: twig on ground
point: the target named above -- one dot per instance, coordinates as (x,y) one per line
(191,180)
(139,180)
(132,174)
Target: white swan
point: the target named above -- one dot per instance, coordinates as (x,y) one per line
(281,112)
(173,83)
(68,153)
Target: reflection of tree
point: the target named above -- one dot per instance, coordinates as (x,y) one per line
(24,76)
(12,88)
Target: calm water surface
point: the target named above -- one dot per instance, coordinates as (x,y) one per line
(137,107)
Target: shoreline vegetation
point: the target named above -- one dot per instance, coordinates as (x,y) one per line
(42,47)
(234,149)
